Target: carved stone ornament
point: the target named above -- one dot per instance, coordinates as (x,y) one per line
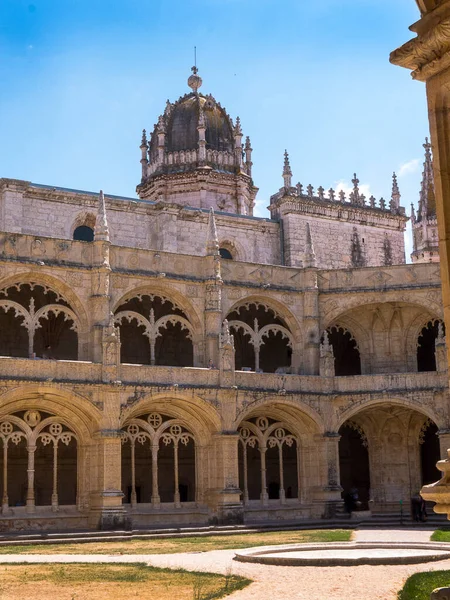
(428,53)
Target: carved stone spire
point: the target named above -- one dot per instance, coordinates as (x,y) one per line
(287,173)
(427,202)
(144,154)
(248,156)
(212,241)
(395,196)
(309,258)
(355,197)
(101,230)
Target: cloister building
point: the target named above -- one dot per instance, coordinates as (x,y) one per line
(172,358)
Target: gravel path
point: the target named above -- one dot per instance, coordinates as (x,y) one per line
(282,583)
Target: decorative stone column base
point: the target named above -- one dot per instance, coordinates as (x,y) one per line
(107,512)
(229,510)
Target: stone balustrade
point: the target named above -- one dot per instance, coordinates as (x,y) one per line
(89,372)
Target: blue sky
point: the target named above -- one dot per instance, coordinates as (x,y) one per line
(81,78)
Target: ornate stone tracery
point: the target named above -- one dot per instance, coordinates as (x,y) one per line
(33,427)
(262,433)
(156,430)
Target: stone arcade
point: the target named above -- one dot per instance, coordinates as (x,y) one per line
(173,359)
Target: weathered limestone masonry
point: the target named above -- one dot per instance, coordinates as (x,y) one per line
(163,363)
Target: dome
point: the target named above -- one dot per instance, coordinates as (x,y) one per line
(180,122)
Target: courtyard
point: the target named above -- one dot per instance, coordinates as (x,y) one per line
(119,565)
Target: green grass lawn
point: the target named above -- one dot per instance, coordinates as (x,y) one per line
(186,544)
(420,585)
(441,535)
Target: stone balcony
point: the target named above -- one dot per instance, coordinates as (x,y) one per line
(81,372)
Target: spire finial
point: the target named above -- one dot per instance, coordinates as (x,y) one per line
(101,230)
(212,241)
(309,260)
(195,81)
(287,173)
(395,196)
(144,139)
(427,201)
(354,194)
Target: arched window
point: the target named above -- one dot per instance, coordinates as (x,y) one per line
(155,331)
(267,461)
(38,462)
(35,320)
(158,461)
(354,464)
(225,253)
(83,233)
(426,355)
(261,337)
(347,360)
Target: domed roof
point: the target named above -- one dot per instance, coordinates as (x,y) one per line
(182,125)
(180,121)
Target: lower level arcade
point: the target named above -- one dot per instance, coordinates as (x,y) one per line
(160,467)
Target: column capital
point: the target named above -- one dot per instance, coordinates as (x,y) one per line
(429,53)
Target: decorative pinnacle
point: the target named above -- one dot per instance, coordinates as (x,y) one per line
(144,139)
(237,127)
(195,81)
(101,230)
(395,197)
(309,260)
(212,241)
(287,173)
(427,147)
(248,145)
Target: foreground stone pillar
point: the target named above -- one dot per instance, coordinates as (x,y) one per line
(106,509)
(428,56)
(228,506)
(333,488)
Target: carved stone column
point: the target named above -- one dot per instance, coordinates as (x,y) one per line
(428,56)
(333,487)
(311,341)
(228,506)
(213,310)
(106,509)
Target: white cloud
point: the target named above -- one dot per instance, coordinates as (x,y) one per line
(408,167)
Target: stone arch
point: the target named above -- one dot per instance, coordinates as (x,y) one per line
(346,346)
(201,417)
(412,336)
(264,336)
(158,328)
(85,218)
(278,307)
(194,418)
(360,301)
(391,432)
(233,247)
(53,329)
(277,471)
(408,403)
(77,411)
(55,284)
(169,292)
(73,412)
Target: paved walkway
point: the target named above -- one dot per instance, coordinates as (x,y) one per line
(282,583)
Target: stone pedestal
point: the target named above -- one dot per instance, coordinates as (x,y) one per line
(106,509)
